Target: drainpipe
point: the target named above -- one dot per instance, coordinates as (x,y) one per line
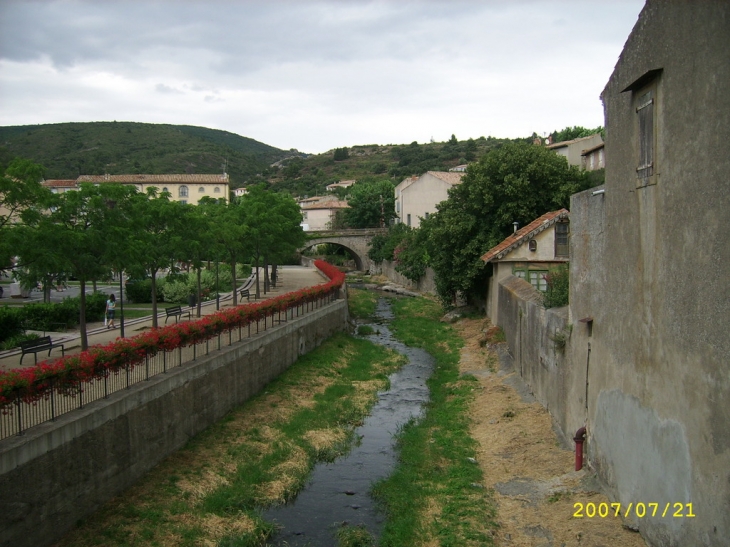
(580,436)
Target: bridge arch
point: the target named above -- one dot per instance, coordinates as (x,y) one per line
(356,242)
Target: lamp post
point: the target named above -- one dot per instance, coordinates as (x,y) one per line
(121,303)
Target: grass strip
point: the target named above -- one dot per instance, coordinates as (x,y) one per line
(259,455)
(362,303)
(435,496)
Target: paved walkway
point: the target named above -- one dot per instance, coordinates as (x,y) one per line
(291,278)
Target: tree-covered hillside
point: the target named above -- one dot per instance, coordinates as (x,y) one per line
(68,150)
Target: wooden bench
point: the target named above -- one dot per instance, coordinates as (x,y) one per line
(245,290)
(39,344)
(176,312)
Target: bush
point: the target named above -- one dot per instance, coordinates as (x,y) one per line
(11,322)
(140,291)
(558,287)
(15,341)
(44,316)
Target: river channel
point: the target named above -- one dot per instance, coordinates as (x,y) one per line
(337,493)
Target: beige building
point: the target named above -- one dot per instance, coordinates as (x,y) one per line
(341,184)
(183,188)
(573,150)
(319,212)
(529,254)
(417,197)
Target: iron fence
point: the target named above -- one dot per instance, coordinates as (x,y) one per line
(20,416)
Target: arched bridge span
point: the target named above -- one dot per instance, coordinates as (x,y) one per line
(357,242)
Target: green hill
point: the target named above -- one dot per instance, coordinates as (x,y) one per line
(68,150)
(310,175)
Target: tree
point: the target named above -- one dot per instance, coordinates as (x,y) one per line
(372,204)
(515,183)
(341,154)
(576,132)
(75,236)
(21,199)
(159,221)
(273,227)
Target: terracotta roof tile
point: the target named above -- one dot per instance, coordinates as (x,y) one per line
(450,177)
(59,183)
(524,234)
(156,179)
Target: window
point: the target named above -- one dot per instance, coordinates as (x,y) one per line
(562,239)
(536,278)
(217,190)
(408,222)
(304,215)
(427,215)
(645,100)
(201,190)
(184,201)
(183,192)
(645,110)
(164,189)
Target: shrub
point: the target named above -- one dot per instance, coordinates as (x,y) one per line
(14,341)
(558,287)
(140,291)
(11,322)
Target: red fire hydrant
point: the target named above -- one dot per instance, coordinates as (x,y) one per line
(579,438)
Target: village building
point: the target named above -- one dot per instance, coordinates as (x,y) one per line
(529,253)
(184,188)
(416,197)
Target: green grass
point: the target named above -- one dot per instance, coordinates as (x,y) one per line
(431,497)
(258,455)
(362,303)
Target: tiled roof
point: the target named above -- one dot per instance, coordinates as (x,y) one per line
(333,204)
(563,144)
(450,177)
(525,234)
(589,150)
(156,179)
(59,183)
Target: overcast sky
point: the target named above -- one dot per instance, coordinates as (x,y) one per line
(314,75)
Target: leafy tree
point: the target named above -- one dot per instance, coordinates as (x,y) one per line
(21,198)
(576,132)
(341,154)
(515,183)
(159,222)
(75,236)
(273,224)
(371,204)
(230,233)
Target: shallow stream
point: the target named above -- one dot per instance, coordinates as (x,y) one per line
(337,493)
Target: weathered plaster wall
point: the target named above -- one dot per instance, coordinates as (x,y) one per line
(654,279)
(530,330)
(62,471)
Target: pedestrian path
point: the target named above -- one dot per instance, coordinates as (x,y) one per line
(290,278)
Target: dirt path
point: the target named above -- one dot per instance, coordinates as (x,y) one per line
(535,486)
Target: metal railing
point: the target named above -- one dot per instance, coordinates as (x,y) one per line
(20,416)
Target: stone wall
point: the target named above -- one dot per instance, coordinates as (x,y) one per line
(427,284)
(62,471)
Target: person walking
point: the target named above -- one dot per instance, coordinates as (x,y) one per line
(111,305)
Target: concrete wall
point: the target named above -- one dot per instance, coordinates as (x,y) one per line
(530,330)
(62,471)
(427,284)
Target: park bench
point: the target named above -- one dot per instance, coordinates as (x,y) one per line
(245,290)
(176,312)
(39,344)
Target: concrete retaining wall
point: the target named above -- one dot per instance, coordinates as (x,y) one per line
(426,284)
(60,472)
(531,333)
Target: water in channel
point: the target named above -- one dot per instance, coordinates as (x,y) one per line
(337,493)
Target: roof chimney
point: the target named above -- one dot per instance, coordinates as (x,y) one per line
(515,224)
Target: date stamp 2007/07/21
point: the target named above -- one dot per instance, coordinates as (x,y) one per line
(640,510)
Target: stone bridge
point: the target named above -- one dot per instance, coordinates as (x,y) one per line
(356,242)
